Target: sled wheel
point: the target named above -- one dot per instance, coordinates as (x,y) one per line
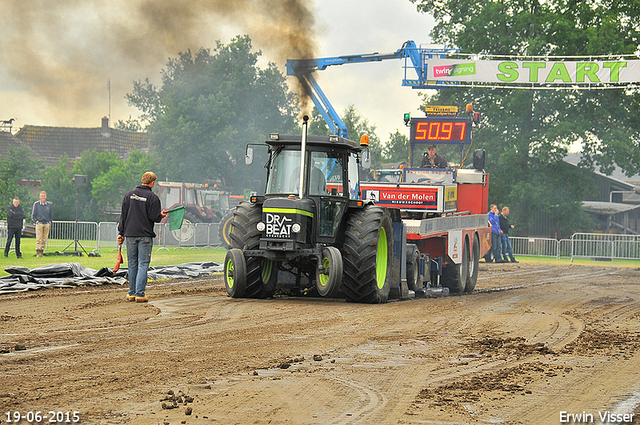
(455,276)
(367,252)
(235,273)
(413,268)
(473,265)
(328,283)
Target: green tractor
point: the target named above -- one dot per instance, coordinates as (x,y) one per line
(311,229)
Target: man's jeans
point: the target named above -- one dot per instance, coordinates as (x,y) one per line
(139,256)
(496,246)
(506,247)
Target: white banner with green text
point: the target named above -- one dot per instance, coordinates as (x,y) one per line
(535,71)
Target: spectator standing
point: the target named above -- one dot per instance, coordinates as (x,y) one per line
(496,234)
(140,210)
(42,216)
(505,226)
(431,159)
(15,219)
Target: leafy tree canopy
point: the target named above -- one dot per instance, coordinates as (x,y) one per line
(109,178)
(210,104)
(17,165)
(527,133)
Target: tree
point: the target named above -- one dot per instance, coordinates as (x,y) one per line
(397,148)
(58,183)
(357,126)
(109,178)
(209,106)
(110,186)
(17,165)
(527,133)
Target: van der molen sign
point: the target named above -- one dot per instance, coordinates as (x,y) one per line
(536,72)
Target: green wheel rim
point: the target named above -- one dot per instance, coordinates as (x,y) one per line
(229,273)
(324,278)
(267,269)
(381,259)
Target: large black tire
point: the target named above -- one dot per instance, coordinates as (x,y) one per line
(367,255)
(235,273)
(455,276)
(261,272)
(328,285)
(224,229)
(473,265)
(413,268)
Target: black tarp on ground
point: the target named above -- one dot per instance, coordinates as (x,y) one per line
(69,275)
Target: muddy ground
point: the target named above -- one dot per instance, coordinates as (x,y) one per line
(534,342)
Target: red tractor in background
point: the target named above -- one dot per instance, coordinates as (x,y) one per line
(202,203)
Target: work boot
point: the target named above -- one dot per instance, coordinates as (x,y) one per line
(513,260)
(39,253)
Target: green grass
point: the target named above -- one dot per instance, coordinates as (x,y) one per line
(577,261)
(107,257)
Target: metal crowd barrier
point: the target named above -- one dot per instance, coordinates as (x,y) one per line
(102,236)
(190,236)
(581,245)
(62,234)
(605,246)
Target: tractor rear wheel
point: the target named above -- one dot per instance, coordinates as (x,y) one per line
(262,273)
(328,285)
(455,276)
(367,255)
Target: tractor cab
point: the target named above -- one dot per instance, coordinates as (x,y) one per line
(305,200)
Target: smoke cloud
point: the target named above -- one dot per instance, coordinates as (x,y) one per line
(60,54)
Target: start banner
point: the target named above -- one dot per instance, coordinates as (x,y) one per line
(535,72)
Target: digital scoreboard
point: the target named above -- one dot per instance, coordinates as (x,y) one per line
(445,130)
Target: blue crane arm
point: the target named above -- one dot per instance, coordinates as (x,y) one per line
(415,58)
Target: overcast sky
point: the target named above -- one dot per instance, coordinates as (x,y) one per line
(57,57)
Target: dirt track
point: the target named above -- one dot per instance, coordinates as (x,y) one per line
(531,342)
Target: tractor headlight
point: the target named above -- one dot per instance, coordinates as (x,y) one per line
(260,226)
(296,228)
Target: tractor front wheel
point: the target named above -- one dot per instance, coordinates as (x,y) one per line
(235,273)
(262,273)
(328,283)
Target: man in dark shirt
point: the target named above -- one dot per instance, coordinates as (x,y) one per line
(506,243)
(431,159)
(140,210)
(15,217)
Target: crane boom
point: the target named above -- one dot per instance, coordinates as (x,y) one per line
(415,58)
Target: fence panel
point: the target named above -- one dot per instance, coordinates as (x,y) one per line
(542,247)
(592,245)
(62,234)
(107,235)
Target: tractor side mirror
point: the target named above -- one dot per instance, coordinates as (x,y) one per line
(248,155)
(366,159)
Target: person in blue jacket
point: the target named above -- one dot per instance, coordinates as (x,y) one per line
(496,234)
(140,210)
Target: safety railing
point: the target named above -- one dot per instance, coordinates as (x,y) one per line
(608,246)
(581,245)
(189,236)
(102,237)
(63,234)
